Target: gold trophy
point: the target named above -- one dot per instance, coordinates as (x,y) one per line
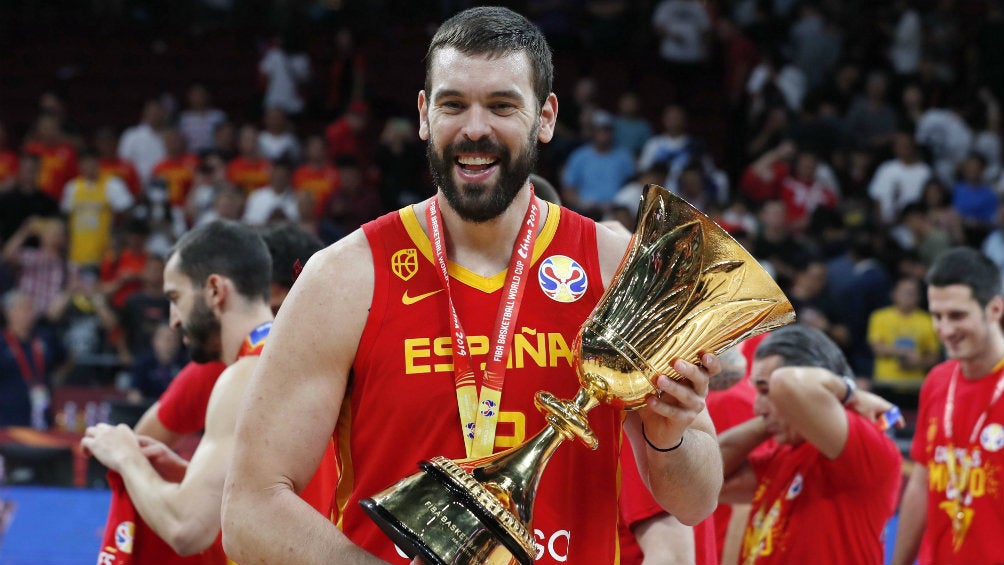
(684,288)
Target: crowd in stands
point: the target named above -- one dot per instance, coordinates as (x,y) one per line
(845,144)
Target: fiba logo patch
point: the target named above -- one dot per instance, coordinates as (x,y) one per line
(562,279)
(124,536)
(992,437)
(796,487)
(404,263)
(487,408)
(470,429)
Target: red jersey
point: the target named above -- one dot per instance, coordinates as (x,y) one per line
(249,174)
(58,165)
(8,165)
(729,408)
(801,199)
(810,509)
(122,169)
(319,182)
(183,405)
(403,374)
(178,173)
(637,504)
(127,262)
(981,542)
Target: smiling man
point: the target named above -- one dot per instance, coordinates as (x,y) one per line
(953,505)
(384,339)
(824,491)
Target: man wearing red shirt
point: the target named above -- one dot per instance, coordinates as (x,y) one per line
(825,493)
(249,170)
(106,144)
(58,158)
(317,175)
(177,169)
(953,505)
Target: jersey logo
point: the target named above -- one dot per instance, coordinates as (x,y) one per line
(795,488)
(124,536)
(404,263)
(409,300)
(992,437)
(562,279)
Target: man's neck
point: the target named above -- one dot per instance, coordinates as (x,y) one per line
(983,365)
(236,325)
(484,248)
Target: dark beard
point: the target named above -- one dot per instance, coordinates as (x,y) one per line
(203,332)
(479,203)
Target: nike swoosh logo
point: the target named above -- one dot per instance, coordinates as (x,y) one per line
(409,300)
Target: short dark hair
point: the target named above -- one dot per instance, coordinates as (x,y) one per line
(496,32)
(230,249)
(969,267)
(290,247)
(804,346)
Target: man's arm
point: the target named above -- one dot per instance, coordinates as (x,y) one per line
(810,400)
(665,541)
(912,517)
(291,409)
(186,515)
(736,443)
(150,425)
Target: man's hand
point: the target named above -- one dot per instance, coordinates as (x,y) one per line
(678,402)
(168,464)
(111,445)
(873,407)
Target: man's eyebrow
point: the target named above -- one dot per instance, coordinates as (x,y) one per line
(450,92)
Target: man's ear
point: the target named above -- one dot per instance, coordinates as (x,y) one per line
(995,309)
(423,116)
(217,290)
(548,118)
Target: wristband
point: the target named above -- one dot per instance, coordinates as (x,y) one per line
(851,385)
(659,449)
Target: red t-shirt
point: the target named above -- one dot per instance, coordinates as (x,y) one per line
(320,183)
(122,169)
(982,543)
(637,505)
(801,199)
(406,348)
(183,405)
(127,262)
(178,173)
(8,165)
(249,174)
(58,165)
(758,189)
(809,509)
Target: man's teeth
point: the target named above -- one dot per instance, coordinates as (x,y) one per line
(474,161)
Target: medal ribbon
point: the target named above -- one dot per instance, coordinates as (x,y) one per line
(479,415)
(31,376)
(958,472)
(255,341)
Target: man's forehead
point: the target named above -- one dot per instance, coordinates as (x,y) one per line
(955,295)
(450,66)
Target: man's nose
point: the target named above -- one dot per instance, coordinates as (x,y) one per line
(478,124)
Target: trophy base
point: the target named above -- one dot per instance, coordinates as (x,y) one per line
(433,515)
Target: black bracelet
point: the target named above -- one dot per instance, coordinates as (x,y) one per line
(659,449)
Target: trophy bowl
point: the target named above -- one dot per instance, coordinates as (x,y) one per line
(684,288)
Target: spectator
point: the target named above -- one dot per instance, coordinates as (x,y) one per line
(871,120)
(859,291)
(199,120)
(937,202)
(916,232)
(631,129)
(142,144)
(143,311)
(674,147)
(974,200)
(316,178)
(122,269)
(277,140)
(225,141)
(283,71)
(900,180)
(683,28)
(813,306)
(776,244)
(249,170)
(624,206)
(85,323)
(154,370)
(42,269)
(775,82)
(804,192)
(24,198)
(947,137)
(346,136)
(210,177)
(57,157)
(8,162)
(346,72)
(109,162)
(354,203)
(29,359)
(903,338)
(401,161)
(92,203)
(761,181)
(177,169)
(277,201)
(907,40)
(596,171)
(816,45)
